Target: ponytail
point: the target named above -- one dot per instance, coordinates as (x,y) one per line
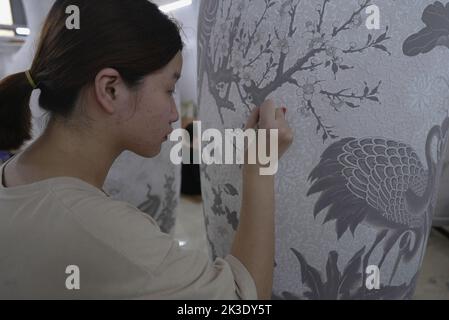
(15,112)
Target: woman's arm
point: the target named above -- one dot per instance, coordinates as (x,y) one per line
(254,241)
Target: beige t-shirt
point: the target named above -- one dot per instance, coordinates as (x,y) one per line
(120,252)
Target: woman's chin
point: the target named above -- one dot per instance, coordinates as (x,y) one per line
(149,153)
(154,153)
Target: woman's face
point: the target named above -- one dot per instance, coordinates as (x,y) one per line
(155,110)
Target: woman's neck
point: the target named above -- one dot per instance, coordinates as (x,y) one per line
(62,151)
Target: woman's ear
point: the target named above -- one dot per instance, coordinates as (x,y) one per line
(108,88)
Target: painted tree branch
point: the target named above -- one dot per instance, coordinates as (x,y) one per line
(321,13)
(327,132)
(368,94)
(268,5)
(371,43)
(345,25)
(292,13)
(276,73)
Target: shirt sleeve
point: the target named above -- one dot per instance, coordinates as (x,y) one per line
(187,274)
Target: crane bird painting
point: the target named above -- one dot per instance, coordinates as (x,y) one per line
(381,183)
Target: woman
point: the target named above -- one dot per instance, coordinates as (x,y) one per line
(150,184)
(108,87)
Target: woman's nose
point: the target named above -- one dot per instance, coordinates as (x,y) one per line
(174,114)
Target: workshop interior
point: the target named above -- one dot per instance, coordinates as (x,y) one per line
(369,105)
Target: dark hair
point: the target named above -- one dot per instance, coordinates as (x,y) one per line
(132,36)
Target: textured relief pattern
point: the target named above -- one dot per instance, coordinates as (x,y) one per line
(369,108)
(436,33)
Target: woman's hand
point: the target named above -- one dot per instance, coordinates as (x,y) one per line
(268,116)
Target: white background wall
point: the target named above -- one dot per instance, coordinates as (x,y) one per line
(187,17)
(21,59)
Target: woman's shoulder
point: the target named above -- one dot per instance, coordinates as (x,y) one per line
(117,224)
(89,204)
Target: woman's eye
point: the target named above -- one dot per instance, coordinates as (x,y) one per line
(172,92)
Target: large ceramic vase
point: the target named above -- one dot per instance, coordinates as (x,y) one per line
(152,185)
(441,217)
(356,192)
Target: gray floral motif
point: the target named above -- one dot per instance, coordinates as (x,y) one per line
(227,58)
(348,284)
(219,209)
(309,88)
(382,183)
(167,220)
(151,206)
(436,32)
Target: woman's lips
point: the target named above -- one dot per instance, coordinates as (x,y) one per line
(166,137)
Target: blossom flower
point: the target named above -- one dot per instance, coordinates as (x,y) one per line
(337,105)
(331,51)
(308,89)
(316,43)
(237,65)
(357,21)
(246,77)
(257,38)
(338,61)
(310,26)
(283,45)
(304,111)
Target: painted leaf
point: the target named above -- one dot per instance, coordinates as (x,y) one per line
(229,189)
(351,277)
(311,277)
(436,18)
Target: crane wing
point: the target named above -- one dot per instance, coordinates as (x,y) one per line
(367,177)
